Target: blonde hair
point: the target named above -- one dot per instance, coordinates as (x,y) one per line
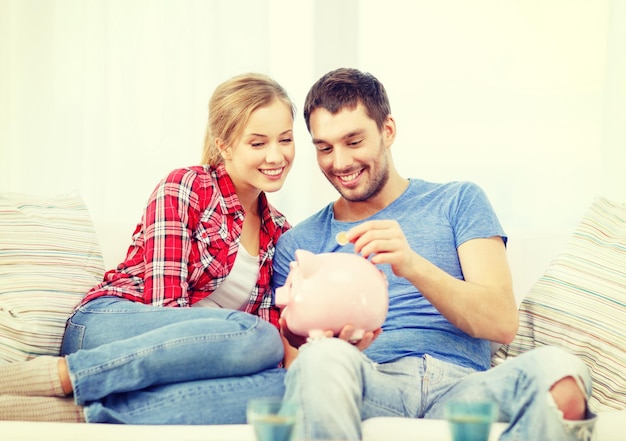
(230,108)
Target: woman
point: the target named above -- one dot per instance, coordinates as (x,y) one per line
(183,331)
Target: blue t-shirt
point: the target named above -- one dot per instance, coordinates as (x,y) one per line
(435,218)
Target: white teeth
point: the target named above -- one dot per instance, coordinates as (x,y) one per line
(274,172)
(349,177)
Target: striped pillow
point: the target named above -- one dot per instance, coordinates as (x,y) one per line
(580,303)
(49,258)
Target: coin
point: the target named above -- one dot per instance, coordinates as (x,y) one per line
(341,238)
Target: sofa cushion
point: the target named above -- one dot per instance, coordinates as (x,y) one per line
(580,303)
(49,259)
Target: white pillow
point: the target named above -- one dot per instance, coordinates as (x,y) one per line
(579,303)
(49,259)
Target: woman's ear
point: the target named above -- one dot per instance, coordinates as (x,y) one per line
(222,148)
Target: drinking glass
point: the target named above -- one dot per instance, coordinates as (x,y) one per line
(471,420)
(272,418)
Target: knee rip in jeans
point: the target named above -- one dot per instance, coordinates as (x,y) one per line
(568,397)
(580,428)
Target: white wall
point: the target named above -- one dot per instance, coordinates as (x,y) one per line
(526,98)
(512,95)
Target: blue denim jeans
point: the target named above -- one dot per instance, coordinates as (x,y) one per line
(337,386)
(138,364)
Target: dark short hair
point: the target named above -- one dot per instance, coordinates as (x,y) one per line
(346,88)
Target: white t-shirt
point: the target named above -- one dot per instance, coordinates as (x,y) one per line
(234,292)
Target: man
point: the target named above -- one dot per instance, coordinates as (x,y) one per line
(443,251)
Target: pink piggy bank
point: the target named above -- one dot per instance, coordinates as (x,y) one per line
(330,290)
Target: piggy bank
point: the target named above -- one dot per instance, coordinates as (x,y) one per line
(327,291)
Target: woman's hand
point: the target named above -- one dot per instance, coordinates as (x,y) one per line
(290,353)
(294,340)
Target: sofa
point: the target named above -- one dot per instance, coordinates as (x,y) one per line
(571,290)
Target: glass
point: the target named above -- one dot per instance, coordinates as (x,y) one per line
(272,418)
(471,420)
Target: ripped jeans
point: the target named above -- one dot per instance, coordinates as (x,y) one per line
(337,387)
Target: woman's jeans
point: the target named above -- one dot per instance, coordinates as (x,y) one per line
(337,386)
(138,364)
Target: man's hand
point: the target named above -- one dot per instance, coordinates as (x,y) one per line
(481,304)
(383,241)
(347,334)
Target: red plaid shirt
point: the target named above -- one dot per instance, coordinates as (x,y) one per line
(187,241)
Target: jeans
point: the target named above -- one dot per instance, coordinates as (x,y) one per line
(337,387)
(138,364)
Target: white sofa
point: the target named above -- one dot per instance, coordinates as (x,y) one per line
(530,254)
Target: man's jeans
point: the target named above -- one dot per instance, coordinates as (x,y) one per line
(138,364)
(337,386)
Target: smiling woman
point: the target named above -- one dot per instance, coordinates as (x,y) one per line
(253,137)
(206,240)
(262,155)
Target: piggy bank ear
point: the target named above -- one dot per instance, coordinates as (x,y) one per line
(281,296)
(307,262)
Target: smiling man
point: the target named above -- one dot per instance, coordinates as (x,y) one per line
(443,252)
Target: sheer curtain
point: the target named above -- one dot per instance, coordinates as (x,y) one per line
(528,99)
(104,97)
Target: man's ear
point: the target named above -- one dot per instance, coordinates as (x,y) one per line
(224,150)
(389,130)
